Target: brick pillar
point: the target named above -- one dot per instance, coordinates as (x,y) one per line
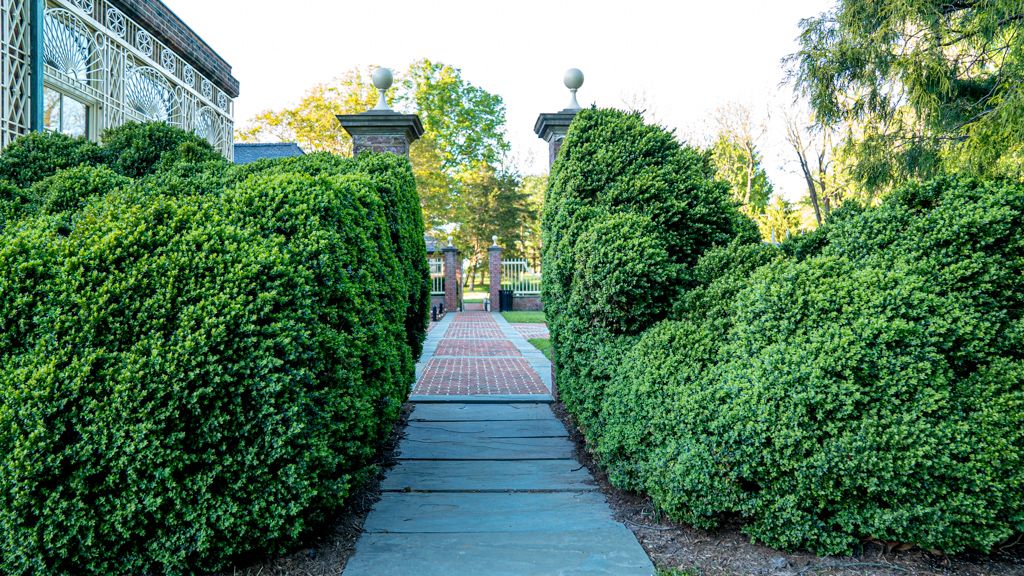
(494,260)
(451,278)
(552,129)
(381,131)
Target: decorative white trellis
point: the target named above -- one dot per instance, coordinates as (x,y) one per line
(96,53)
(15,70)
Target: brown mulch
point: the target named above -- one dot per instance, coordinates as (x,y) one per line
(726,551)
(327,552)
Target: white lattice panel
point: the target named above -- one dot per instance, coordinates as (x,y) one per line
(15,90)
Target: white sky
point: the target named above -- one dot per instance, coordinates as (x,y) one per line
(682,60)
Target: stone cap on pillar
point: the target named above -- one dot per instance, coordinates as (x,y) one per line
(382,123)
(553,124)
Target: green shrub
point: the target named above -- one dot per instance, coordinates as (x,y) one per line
(67,191)
(661,392)
(623,278)
(393,178)
(850,421)
(36,155)
(138,149)
(15,204)
(628,212)
(719,275)
(863,381)
(202,366)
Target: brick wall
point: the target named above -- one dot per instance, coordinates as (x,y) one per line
(527,304)
(394,143)
(165,25)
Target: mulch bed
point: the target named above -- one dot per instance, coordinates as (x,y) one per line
(726,551)
(327,553)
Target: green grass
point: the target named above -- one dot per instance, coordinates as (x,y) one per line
(542,344)
(524,317)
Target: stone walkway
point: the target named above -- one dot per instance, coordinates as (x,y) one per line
(487,481)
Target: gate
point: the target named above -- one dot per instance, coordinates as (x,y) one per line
(519,278)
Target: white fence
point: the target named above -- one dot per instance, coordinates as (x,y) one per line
(516,275)
(436,276)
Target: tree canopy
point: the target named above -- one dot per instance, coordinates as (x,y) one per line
(921,86)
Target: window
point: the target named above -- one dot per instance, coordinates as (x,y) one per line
(65,114)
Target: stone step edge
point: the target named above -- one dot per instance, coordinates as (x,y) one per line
(483,399)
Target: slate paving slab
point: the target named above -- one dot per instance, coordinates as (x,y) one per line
(605,552)
(444,412)
(487,429)
(448,448)
(488,475)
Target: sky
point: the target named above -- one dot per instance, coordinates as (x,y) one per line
(679,61)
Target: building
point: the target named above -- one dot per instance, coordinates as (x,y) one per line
(246,153)
(83,66)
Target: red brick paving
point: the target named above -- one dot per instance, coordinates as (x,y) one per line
(471,376)
(474,330)
(456,368)
(532,330)
(474,317)
(453,347)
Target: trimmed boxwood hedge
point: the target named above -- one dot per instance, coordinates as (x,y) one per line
(627,214)
(863,381)
(192,374)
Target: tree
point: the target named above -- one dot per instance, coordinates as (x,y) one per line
(493,204)
(778,221)
(737,160)
(932,85)
(313,123)
(533,189)
(468,122)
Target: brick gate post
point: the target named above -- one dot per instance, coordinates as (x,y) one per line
(552,127)
(382,129)
(494,260)
(451,277)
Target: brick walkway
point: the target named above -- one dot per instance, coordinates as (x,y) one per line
(529,331)
(478,353)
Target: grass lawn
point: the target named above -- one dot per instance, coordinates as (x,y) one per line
(524,317)
(542,344)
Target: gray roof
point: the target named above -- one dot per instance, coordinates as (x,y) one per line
(245,153)
(432,244)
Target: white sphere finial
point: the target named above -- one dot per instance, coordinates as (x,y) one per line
(382,79)
(573,81)
(495,240)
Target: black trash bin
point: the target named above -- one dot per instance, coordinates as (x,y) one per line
(505,300)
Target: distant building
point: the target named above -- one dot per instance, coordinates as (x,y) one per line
(245,153)
(433,246)
(83,66)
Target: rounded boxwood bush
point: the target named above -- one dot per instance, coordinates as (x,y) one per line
(36,155)
(628,212)
(137,149)
(208,379)
(392,175)
(67,191)
(623,279)
(850,421)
